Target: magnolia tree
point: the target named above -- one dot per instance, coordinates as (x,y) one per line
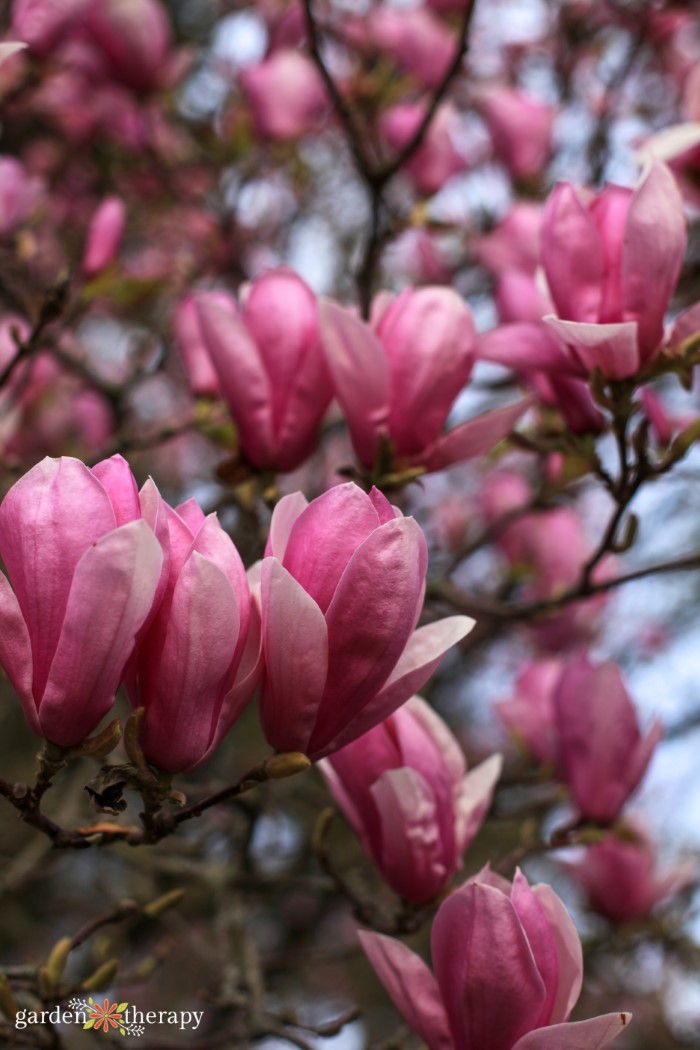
(347,426)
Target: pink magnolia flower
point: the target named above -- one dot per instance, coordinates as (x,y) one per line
(286,95)
(529,712)
(548,550)
(104,235)
(342,589)
(135,39)
(437,158)
(271,368)
(397,378)
(521,130)
(404,788)
(416,39)
(612,262)
(43,24)
(201,373)
(514,244)
(20,194)
(620,879)
(83,571)
(198,664)
(508,971)
(602,755)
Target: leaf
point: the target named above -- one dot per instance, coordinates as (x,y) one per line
(122,1007)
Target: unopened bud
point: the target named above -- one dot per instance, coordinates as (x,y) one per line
(8,1004)
(163,903)
(321,829)
(132,745)
(102,977)
(286,765)
(58,957)
(102,744)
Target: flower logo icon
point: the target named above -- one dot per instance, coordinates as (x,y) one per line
(106,1016)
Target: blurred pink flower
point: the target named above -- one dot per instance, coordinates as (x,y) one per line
(404,788)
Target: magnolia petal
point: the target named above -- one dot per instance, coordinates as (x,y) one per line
(592,1034)
(474,799)
(284,515)
(429,339)
(410,986)
(111,596)
(474,437)
(424,651)
(244,382)
(326,536)
(295,646)
(613,348)
(569,952)
(412,855)
(9,48)
(523,347)
(441,736)
(572,255)
(360,374)
(115,474)
(48,519)
(16,651)
(541,940)
(491,997)
(370,619)
(655,241)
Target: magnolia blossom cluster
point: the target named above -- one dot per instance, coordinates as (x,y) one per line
(107,585)
(278,357)
(507,967)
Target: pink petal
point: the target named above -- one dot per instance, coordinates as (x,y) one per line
(115,474)
(613,348)
(429,339)
(345,799)
(360,374)
(609,210)
(412,855)
(581,1035)
(449,751)
(572,255)
(217,545)
(491,997)
(15,651)
(541,940)
(284,515)
(191,674)
(598,737)
(48,519)
(569,952)
(474,799)
(655,245)
(411,987)
(424,651)
(280,315)
(244,382)
(295,641)
(523,346)
(324,538)
(192,514)
(248,674)
(110,598)
(370,619)
(474,437)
